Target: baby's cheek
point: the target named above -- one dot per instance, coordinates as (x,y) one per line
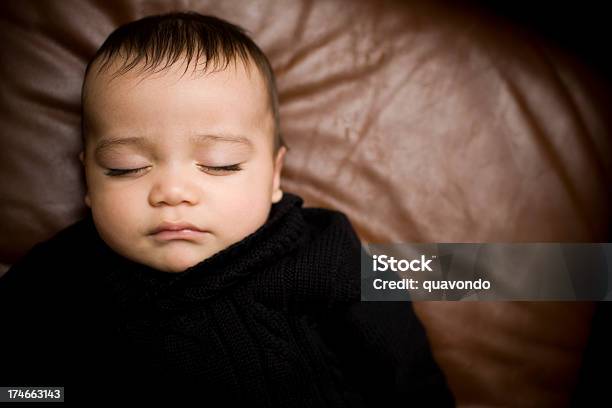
(117,212)
(244,213)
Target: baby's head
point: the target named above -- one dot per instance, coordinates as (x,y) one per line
(180,125)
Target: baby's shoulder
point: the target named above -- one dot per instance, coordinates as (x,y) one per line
(45,261)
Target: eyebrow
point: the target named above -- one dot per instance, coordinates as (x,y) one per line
(195,139)
(229,138)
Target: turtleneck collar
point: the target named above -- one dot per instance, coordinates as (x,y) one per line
(136,283)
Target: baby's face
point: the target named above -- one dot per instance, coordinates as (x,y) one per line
(198,149)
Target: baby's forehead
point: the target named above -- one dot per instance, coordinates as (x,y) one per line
(176,100)
(227,82)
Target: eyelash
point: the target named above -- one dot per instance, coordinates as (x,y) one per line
(122,172)
(231,167)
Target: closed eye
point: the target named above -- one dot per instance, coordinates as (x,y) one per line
(121,172)
(215,170)
(220,170)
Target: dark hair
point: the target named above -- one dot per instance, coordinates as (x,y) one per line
(166,38)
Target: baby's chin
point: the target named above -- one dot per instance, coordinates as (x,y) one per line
(176,259)
(179,262)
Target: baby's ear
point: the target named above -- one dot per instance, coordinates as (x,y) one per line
(277,193)
(87,200)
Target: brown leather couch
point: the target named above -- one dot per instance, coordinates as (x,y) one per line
(422,122)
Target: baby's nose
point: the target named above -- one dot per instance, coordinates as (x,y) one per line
(173,188)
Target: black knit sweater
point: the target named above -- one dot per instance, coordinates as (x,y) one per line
(273,320)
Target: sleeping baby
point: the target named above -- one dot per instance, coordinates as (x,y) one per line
(193,270)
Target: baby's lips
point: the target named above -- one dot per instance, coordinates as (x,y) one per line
(175,226)
(184,234)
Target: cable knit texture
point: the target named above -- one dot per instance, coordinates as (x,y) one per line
(273,320)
